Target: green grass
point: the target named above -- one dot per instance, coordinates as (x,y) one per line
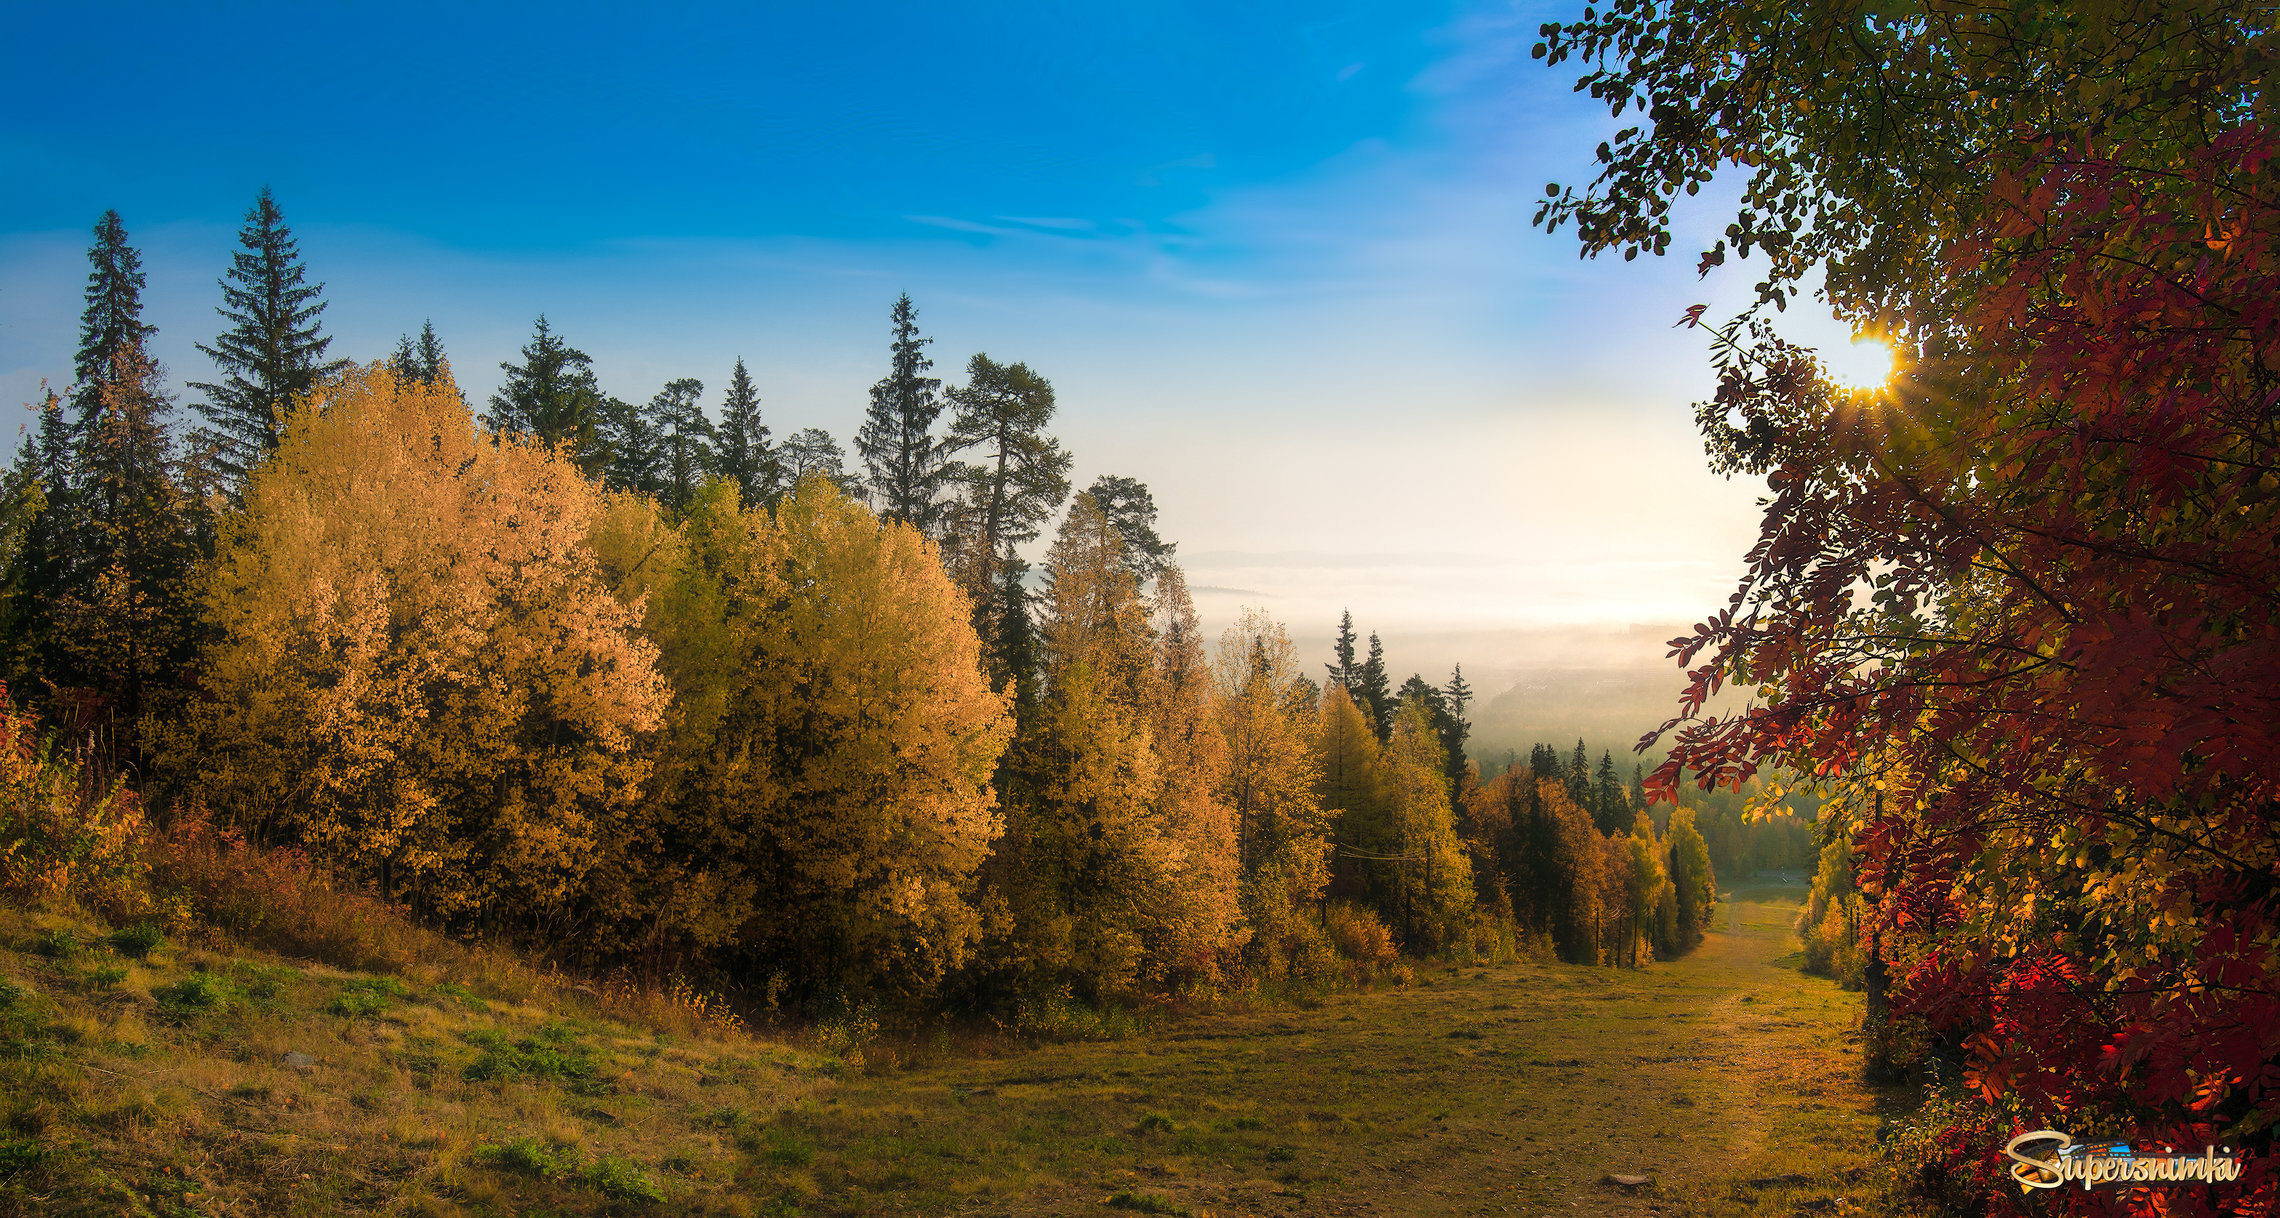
(193,1078)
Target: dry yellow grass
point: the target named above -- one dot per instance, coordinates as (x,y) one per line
(1504,1089)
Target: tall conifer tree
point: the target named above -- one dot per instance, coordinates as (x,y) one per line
(40,562)
(631,450)
(552,395)
(1346,672)
(685,439)
(1455,730)
(1018,475)
(1374,693)
(743,454)
(901,458)
(112,321)
(1578,775)
(125,618)
(1609,808)
(423,360)
(274,348)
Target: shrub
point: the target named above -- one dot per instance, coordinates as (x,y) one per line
(65,833)
(551,1054)
(194,995)
(530,1157)
(278,899)
(19,1155)
(1361,939)
(620,1181)
(366,997)
(137,942)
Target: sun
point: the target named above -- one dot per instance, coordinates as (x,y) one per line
(1868,363)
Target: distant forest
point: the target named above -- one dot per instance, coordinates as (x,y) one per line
(654,686)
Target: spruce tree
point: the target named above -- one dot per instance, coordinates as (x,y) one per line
(1344,672)
(112,321)
(1458,693)
(126,618)
(1544,762)
(1013,643)
(40,560)
(421,361)
(1578,775)
(431,358)
(1374,694)
(901,458)
(1131,511)
(274,349)
(743,453)
(1609,809)
(1455,730)
(552,396)
(631,451)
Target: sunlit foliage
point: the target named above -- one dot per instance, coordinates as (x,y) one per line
(415,667)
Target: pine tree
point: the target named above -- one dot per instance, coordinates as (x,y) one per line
(552,396)
(901,457)
(811,450)
(743,454)
(274,349)
(1019,478)
(1131,511)
(1374,694)
(685,439)
(1344,672)
(112,321)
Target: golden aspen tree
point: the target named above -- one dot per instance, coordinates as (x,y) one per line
(846,775)
(1086,862)
(1432,884)
(416,668)
(1351,788)
(1648,888)
(1281,837)
(1203,930)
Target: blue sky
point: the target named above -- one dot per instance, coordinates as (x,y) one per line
(1276,259)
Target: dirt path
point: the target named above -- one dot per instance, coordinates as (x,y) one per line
(1511,1089)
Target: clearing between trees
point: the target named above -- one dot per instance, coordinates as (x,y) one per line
(188,1081)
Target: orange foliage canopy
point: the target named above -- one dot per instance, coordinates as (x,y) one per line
(416,670)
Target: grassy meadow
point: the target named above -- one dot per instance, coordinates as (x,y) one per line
(156,1080)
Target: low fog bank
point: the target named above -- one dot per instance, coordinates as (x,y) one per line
(1608,685)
